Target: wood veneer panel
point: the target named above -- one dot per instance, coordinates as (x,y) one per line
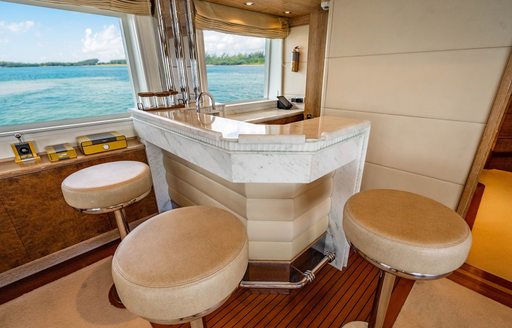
(12,252)
(316,58)
(44,222)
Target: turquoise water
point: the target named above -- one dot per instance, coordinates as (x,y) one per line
(38,94)
(234,83)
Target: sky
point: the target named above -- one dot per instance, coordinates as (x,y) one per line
(32,34)
(222,43)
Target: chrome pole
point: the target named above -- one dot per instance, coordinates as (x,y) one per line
(192,48)
(179,52)
(165,52)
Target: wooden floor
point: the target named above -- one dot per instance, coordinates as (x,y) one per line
(332,300)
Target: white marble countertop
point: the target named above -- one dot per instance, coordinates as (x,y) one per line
(217,128)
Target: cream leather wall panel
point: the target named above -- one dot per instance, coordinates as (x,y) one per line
(281,221)
(277,251)
(380,177)
(392,26)
(437,148)
(266,209)
(294,83)
(452,85)
(425,73)
(298,37)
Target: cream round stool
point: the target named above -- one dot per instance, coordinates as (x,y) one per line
(181,265)
(108,187)
(405,235)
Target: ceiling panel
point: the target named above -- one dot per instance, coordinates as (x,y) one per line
(275,7)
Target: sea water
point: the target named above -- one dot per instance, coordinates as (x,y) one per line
(38,94)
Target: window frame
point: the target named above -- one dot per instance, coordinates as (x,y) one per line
(143,66)
(273,70)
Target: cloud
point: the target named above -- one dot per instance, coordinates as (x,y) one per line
(17,27)
(221,43)
(105,45)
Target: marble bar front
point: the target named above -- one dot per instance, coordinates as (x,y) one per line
(287,183)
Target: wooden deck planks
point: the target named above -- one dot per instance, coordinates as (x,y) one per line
(333,299)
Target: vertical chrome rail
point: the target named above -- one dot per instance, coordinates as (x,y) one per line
(179,51)
(165,51)
(192,48)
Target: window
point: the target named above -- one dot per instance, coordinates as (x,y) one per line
(57,64)
(236,67)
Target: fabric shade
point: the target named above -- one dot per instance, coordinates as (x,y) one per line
(212,16)
(135,7)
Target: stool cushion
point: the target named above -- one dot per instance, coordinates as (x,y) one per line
(180,263)
(107,184)
(407,232)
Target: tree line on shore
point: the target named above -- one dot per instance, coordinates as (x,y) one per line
(255,58)
(87,62)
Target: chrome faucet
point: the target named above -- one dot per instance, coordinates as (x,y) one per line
(205,93)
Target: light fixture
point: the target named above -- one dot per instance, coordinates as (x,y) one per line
(248,3)
(287,12)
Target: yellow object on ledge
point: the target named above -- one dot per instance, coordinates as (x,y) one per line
(101,142)
(60,152)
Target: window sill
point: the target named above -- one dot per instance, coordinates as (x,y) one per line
(56,134)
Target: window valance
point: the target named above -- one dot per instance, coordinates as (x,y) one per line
(212,16)
(135,7)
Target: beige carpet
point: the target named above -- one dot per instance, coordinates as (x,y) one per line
(75,301)
(80,300)
(492,231)
(445,304)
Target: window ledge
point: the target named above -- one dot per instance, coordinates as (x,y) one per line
(56,134)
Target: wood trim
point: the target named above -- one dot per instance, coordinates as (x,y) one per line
(400,293)
(474,205)
(484,283)
(491,130)
(316,59)
(299,21)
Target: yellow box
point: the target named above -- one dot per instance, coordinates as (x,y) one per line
(24,151)
(60,152)
(101,142)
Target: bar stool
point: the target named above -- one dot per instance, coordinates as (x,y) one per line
(405,235)
(181,265)
(108,187)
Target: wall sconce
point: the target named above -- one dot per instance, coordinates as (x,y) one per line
(295,59)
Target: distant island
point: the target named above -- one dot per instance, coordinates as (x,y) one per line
(87,62)
(256,58)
